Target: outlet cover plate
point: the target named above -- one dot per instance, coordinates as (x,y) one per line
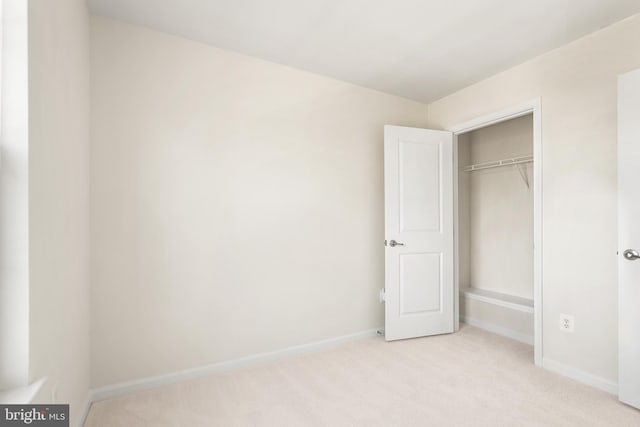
(567,323)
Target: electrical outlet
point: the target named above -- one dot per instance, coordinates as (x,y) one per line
(567,323)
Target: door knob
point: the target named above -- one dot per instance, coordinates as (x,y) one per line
(393,244)
(629,254)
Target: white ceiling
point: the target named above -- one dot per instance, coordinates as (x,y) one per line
(419,49)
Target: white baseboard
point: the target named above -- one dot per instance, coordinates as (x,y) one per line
(580,376)
(491,327)
(85,411)
(120,389)
(186,375)
(551,365)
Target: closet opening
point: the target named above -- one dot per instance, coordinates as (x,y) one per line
(497,225)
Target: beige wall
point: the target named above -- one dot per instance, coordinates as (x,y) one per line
(237,205)
(577,87)
(59,200)
(496,232)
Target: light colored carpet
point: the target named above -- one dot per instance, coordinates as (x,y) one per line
(471,378)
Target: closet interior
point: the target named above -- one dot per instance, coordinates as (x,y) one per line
(495,228)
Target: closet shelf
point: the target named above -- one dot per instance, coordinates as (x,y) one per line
(503,300)
(498,163)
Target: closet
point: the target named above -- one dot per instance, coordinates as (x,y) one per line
(495,228)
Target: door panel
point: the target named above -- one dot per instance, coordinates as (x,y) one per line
(420,283)
(629,238)
(420,205)
(418,215)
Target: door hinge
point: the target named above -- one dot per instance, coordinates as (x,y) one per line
(382,295)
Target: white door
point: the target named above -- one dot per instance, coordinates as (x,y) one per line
(418,186)
(629,238)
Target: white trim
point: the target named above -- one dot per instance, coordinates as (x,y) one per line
(14,196)
(85,410)
(502,300)
(22,395)
(536,106)
(456,236)
(499,330)
(533,107)
(456,243)
(120,389)
(580,376)
(496,117)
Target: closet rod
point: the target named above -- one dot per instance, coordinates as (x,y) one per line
(498,163)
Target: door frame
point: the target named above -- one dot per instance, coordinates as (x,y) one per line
(530,107)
